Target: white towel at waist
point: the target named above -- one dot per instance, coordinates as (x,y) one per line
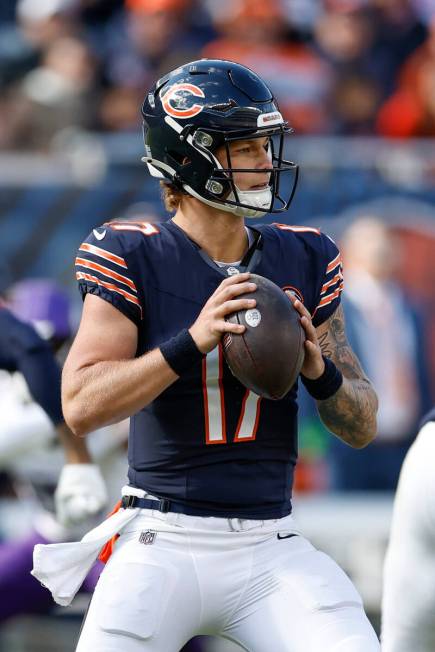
(62,567)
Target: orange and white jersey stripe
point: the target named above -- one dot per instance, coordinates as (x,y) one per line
(102,267)
(333,282)
(110,286)
(105,271)
(326,286)
(331,296)
(103,253)
(336,262)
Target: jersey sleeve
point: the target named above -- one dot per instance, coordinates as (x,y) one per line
(105,268)
(331,281)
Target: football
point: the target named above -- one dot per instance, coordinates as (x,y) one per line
(268,356)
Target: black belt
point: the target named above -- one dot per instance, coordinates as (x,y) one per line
(163,504)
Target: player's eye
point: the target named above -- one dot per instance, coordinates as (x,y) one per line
(242,150)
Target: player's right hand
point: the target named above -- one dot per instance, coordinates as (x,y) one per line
(210,325)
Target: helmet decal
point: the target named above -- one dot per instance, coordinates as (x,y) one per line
(174,100)
(270,119)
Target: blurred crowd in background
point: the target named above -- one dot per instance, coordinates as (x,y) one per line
(79,68)
(357,67)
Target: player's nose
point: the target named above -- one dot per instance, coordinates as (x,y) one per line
(264,160)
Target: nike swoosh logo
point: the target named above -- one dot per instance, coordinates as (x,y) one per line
(99,235)
(286,536)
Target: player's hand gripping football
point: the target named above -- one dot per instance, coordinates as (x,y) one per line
(211,325)
(314,365)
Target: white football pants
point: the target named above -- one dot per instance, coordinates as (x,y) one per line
(173,576)
(408,604)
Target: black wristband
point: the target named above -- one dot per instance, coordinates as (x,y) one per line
(181,352)
(327,384)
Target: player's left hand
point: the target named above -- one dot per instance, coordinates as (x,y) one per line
(80,494)
(314,365)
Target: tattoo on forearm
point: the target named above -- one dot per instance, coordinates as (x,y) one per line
(342,354)
(325,345)
(351,412)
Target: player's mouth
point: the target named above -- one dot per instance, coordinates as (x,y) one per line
(259,186)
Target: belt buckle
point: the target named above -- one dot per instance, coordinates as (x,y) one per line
(164,505)
(128,501)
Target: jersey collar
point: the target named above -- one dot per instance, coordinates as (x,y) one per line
(249,261)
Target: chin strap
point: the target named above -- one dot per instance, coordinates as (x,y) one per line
(260,198)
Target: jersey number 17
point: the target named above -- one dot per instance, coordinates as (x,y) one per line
(214,404)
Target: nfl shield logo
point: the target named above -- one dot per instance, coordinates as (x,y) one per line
(147,537)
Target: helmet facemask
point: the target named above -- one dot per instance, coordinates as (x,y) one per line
(219,188)
(257,202)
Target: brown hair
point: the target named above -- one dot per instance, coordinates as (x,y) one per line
(171,196)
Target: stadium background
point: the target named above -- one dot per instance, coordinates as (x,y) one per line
(356,79)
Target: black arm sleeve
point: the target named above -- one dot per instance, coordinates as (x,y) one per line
(21,349)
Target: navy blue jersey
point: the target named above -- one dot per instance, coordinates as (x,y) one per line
(207,442)
(21,349)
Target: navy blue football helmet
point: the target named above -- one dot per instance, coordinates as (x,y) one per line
(204,105)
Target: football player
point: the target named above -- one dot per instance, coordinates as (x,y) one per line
(207,543)
(408,603)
